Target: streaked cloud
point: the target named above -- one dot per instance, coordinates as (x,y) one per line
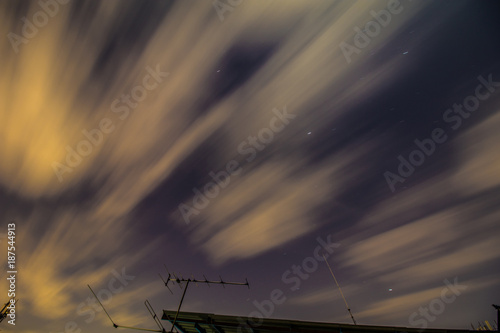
(224,79)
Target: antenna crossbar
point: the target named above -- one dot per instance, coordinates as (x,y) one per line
(179,280)
(172,277)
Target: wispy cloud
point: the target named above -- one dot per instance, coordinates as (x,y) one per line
(224,79)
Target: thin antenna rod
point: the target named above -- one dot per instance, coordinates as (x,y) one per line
(107,314)
(153,314)
(121,326)
(341,293)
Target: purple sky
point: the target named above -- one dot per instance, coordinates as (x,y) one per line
(247,139)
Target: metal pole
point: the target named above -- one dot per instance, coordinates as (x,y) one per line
(341,293)
(180,304)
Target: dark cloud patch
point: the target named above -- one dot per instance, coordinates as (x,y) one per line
(236,66)
(128,35)
(178,187)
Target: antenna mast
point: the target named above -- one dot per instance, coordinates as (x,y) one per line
(342,294)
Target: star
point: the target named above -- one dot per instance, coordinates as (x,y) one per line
(405,52)
(309,133)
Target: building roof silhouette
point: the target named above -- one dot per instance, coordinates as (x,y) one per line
(193,322)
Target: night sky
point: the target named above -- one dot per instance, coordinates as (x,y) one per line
(247,139)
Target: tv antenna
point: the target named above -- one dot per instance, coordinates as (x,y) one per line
(342,294)
(151,312)
(179,280)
